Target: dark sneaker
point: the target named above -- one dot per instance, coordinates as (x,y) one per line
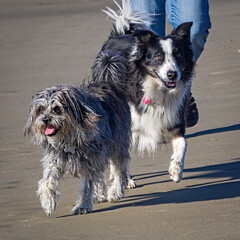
(191,112)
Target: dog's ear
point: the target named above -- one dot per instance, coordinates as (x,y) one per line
(144,36)
(41,95)
(28,125)
(183,30)
(31,117)
(77,111)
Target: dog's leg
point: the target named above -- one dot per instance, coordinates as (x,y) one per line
(85,195)
(99,193)
(112,171)
(47,188)
(130,182)
(177,161)
(121,177)
(116,191)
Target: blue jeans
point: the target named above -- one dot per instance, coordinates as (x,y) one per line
(178,12)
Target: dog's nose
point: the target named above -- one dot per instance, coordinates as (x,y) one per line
(172,75)
(46,119)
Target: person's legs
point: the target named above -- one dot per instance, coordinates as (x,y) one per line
(196,11)
(155,11)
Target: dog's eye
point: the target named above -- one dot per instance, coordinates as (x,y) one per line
(40,109)
(57,110)
(158,57)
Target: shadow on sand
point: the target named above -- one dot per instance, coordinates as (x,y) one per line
(215,130)
(225,184)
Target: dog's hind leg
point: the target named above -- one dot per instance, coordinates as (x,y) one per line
(47,188)
(130,182)
(112,170)
(177,161)
(120,176)
(116,190)
(85,195)
(99,190)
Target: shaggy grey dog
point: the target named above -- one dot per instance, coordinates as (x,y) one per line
(82,130)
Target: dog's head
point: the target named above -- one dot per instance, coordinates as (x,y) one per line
(58,112)
(170,58)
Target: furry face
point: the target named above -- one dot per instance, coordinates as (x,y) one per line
(81,129)
(165,61)
(54,112)
(49,119)
(165,58)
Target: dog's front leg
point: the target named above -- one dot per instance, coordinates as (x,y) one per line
(85,196)
(47,188)
(177,161)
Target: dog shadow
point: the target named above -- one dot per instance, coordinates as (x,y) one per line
(225,184)
(215,130)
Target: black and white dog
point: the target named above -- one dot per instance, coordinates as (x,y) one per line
(159,77)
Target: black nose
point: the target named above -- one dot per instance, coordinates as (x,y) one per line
(46,119)
(172,75)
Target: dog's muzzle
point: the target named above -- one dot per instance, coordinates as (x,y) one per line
(50,130)
(172,76)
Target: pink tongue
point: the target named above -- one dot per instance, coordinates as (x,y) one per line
(170,84)
(49,130)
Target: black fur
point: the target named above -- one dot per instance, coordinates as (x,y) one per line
(137,50)
(156,77)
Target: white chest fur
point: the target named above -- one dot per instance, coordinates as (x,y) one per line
(160,114)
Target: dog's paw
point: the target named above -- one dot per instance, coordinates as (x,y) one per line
(99,198)
(49,205)
(114,195)
(131,184)
(81,210)
(176,170)
(48,201)
(48,197)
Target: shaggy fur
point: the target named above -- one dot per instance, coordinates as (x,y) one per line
(159,73)
(81,130)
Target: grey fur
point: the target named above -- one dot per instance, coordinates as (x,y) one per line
(91,126)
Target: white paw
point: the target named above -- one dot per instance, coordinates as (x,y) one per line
(131,183)
(49,205)
(99,198)
(114,195)
(177,160)
(48,201)
(47,196)
(176,170)
(81,210)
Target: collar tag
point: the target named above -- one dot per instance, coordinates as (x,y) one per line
(146,100)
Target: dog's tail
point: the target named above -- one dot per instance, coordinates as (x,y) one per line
(124,19)
(111,68)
